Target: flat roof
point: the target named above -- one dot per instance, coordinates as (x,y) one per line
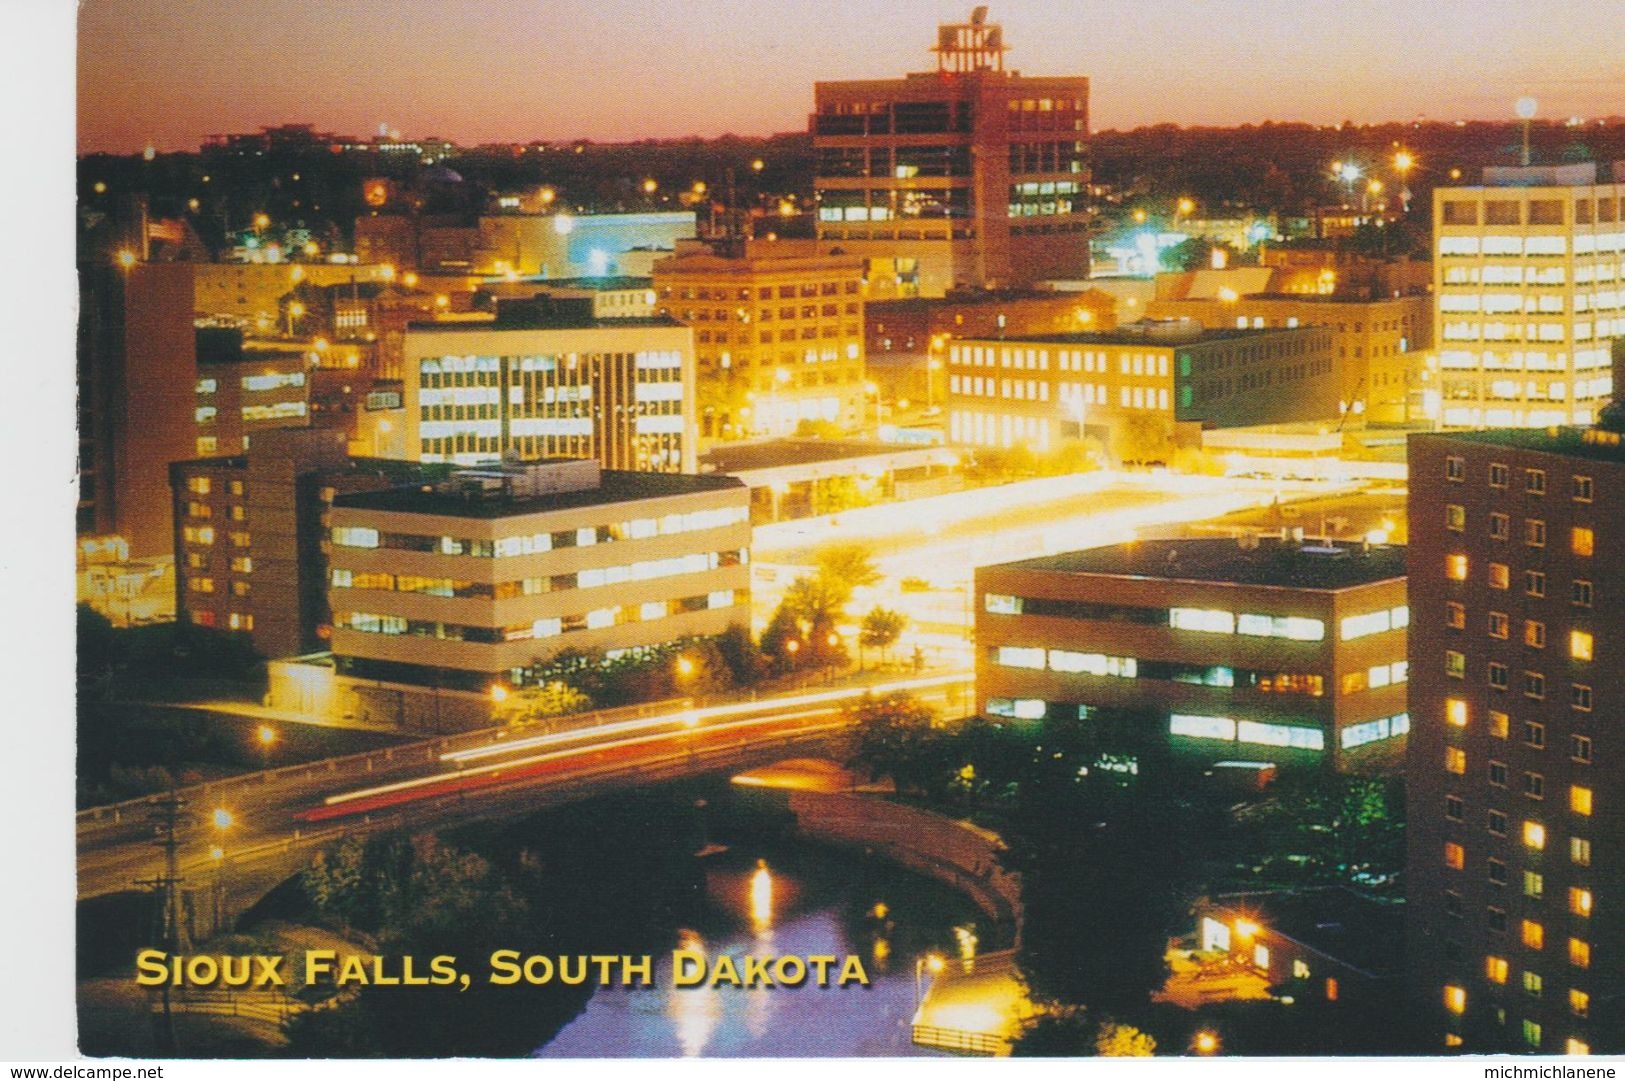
(1594,444)
(1359,931)
(599,284)
(1168,334)
(772,453)
(1290,565)
(616,486)
(562,322)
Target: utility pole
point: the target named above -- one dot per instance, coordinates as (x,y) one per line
(166,889)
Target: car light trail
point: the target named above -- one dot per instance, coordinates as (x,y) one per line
(690,718)
(420,787)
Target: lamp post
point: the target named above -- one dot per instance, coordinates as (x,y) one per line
(223,821)
(932,961)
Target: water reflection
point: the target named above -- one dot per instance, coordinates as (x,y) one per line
(696,1013)
(806,902)
(761,899)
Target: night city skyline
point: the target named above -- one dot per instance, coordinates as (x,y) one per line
(624,71)
(1061,530)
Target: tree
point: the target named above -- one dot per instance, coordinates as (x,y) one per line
(1116,1040)
(1141,437)
(812,600)
(898,738)
(846,567)
(527,705)
(782,642)
(880,629)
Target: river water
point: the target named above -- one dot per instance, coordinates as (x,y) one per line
(774,898)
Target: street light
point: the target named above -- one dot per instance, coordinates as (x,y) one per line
(126,258)
(266,736)
(1206,1042)
(261,221)
(222,818)
(932,961)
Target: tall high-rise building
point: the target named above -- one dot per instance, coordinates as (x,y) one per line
(966,175)
(137,378)
(546,379)
(1516,800)
(1527,274)
(778,329)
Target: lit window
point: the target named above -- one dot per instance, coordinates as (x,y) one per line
(1582,541)
(1579,800)
(1455,711)
(1580,851)
(1455,999)
(1532,984)
(1579,901)
(1455,567)
(1455,614)
(1498,624)
(1455,857)
(1499,724)
(1534,835)
(1495,969)
(1455,517)
(1576,1047)
(1500,576)
(1533,935)
(1455,760)
(1531,1033)
(1452,1039)
(1455,664)
(1018,657)
(1534,884)
(1580,647)
(1534,634)
(1579,953)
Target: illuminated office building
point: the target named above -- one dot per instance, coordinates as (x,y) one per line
(966,175)
(1273,653)
(1529,295)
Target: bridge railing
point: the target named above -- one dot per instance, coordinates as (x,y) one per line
(400,755)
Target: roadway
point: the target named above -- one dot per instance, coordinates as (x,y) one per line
(927,550)
(256,829)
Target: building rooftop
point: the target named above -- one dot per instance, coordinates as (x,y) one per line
(602,284)
(616,486)
(1171,333)
(1339,923)
(1594,444)
(1285,564)
(768,454)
